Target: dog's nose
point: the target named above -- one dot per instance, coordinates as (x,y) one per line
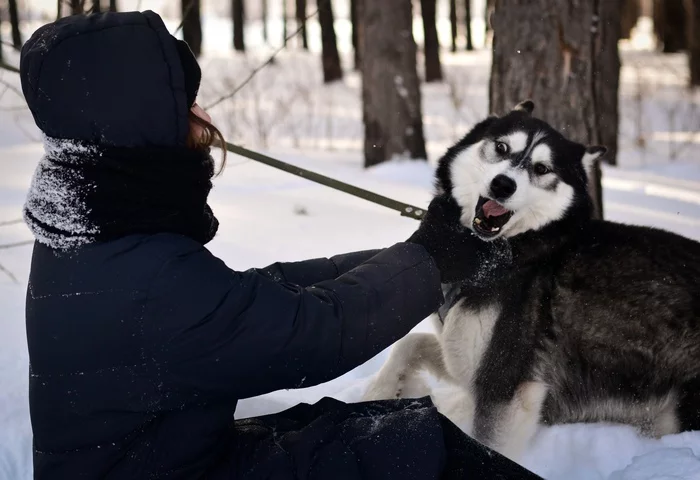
(503,187)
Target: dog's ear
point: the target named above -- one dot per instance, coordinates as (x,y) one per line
(526,106)
(591,157)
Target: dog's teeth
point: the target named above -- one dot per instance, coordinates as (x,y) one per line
(477,221)
(495,229)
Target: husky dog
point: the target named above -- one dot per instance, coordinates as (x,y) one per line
(595,322)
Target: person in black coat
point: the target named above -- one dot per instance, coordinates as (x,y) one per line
(141,341)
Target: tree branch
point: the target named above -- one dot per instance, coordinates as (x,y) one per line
(261,66)
(6,223)
(11,222)
(14,108)
(11,88)
(8,273)
(16,244)
(11,68)
(184,17)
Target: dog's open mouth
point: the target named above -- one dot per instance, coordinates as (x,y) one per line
(490,217)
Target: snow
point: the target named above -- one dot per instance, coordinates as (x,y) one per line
(269,216)
(52,200)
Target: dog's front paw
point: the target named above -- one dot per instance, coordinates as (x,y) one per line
(381,388)
(386,387)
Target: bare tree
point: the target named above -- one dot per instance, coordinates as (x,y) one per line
(468,23)
(2,58)
(563,55)
(631,9)
(670,24)
(265,16)
(391,95)
(284,22)
(237,16)
(431,44)
(192,25)
(693,8)
(355,21)
(112,5)
(301,22)
(332,69)
(453,25)
(488,11)
(14,21)
(76,7)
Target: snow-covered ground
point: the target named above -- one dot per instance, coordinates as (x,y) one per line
(269,216)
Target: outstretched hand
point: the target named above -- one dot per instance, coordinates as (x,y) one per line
(458,253)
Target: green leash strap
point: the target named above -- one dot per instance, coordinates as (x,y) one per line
(404,209)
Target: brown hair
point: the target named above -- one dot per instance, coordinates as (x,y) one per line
(212,137)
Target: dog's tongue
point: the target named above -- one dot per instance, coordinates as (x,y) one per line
(493,209)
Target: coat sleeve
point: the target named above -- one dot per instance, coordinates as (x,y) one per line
(309,272)
(218,333)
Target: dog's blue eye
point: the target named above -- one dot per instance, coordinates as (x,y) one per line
(501,148)
(541,169)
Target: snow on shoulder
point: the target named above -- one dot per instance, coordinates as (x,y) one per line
(55,210)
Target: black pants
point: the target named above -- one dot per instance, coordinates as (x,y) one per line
(393,439)
(467,458)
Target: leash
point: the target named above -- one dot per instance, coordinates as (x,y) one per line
(404,209)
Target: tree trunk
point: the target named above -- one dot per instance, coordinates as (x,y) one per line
(354,8)
(265,15)
(488,12)
(631,9)
(670,25)
(237,15)
(76,7)
(2,58)
(331,59)
(431,44)
(391,97)
(112,5)
(453,25)
(693,7)
(301,22)
(192,25)
(59,9)
(468,22)
(96,7)
(563,55)
(284,23)
(14,21)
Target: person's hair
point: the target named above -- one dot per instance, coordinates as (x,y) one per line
(211,137)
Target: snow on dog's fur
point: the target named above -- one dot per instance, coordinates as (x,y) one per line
(596,321)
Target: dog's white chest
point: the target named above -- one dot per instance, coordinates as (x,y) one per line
(465,338)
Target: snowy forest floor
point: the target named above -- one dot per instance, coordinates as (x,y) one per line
(269,216)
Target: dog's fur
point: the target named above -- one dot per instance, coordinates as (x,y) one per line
(596,321)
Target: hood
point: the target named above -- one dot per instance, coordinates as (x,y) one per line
(112,79)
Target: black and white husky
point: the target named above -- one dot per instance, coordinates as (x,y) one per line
(597,321)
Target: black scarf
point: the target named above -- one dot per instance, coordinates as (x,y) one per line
(83,194)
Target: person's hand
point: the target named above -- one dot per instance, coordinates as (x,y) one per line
(458,253)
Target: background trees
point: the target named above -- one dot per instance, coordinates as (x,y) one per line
(14,21)
(237,15)
(390,88)
(332,70)
(192,24)
(561,53)
(431,47)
